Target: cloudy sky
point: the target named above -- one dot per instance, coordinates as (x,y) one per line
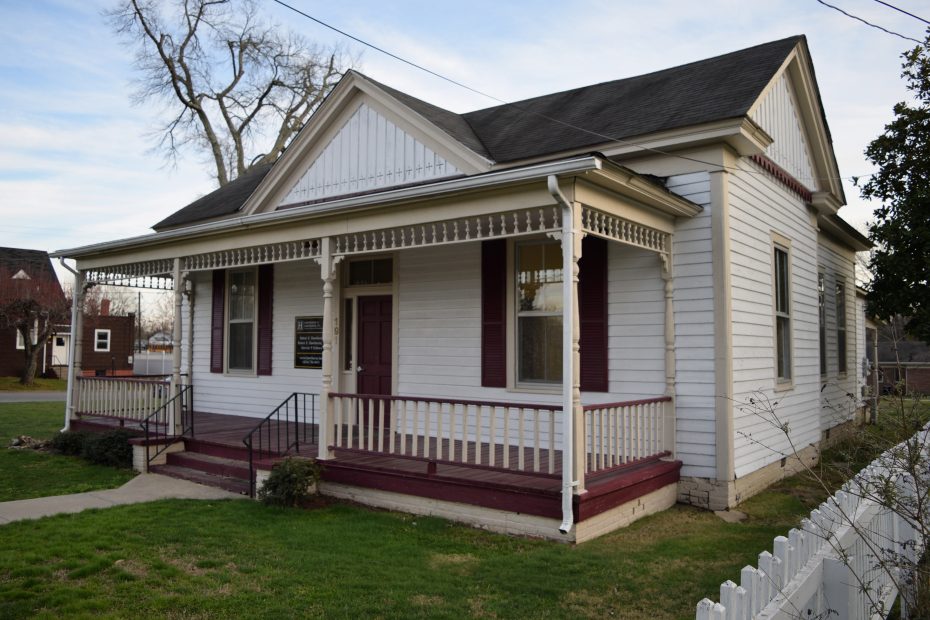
(76,159)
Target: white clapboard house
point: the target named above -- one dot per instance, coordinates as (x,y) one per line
(544,317)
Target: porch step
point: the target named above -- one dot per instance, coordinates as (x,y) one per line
(226,451)
(220,466)
(234,485)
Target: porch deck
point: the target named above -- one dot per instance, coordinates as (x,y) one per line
(496,487)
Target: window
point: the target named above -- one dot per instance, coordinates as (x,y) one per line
(841,325)
(822,308)
(59,341)
(370,272)
(539,312)
(34,332)
(101,340)
(241,324)
(782,314)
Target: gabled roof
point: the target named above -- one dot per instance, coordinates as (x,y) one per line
(34,263)
(715,89)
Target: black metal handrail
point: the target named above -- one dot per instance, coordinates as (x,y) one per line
(282,430)
(156,425)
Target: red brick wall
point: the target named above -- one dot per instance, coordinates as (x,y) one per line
(121,341)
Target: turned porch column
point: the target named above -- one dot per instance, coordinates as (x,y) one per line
(176,347)
(571,345)
(77,349)
(669,410)
(328,265)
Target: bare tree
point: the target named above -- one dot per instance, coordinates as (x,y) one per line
(239,88)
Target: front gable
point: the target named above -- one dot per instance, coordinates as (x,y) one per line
(361,139)
(790,110)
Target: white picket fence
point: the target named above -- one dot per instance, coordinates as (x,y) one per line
(845,560)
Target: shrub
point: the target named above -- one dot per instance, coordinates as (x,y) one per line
(111,448)
(290,482)
(69,442)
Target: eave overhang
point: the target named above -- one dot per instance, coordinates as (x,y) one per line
(837,229)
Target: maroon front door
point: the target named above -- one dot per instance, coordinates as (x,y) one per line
(374,345)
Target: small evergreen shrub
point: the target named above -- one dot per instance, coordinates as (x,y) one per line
(290,482)
(70,443)
(111,448)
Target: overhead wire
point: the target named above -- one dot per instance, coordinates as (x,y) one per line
(900,10)
(592,132)
(868,23)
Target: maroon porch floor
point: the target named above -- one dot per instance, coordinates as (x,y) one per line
(504,489)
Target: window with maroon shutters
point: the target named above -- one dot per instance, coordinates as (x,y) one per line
(241,321)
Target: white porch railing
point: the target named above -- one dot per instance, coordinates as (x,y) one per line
(847,560)
(620,433)
(514,436)
(124,398)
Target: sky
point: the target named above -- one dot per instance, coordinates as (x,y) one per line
(77,158)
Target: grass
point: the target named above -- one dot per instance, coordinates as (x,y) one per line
(239,558)
(12,384)
(27,473)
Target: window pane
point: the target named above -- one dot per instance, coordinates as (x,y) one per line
(240,346)
(781,281)
(821,293)
(539,277)
(540,349)
(367,272)
(382,271)
(241,295)
(783,336)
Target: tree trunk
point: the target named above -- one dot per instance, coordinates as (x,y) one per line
(32,363)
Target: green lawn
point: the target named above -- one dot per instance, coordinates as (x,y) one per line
(241,559)
(12,384)
(27,473)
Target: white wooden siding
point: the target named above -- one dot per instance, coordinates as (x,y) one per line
(836,262)
(862,369)
(777,114)
(760,206)
(694,331)
(297,292)
(369,152)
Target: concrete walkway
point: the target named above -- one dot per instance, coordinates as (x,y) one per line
(142,488)
(31,397)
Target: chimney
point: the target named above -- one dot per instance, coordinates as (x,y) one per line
(104,307)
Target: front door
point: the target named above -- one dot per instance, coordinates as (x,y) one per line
(374,345)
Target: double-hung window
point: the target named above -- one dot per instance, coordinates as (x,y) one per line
(101,340)
(841,325)
(538,290)
(241,301)
(782,313)
(822,310)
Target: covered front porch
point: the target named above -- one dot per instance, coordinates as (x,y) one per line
(486,417)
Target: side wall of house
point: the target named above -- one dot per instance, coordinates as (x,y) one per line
(692,269)
(839,395)
(297,292)
(761,208)
(118,354)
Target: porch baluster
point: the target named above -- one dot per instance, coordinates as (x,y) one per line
(492,436)
(381,425)
(535,439)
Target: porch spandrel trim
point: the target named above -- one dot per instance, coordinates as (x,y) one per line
(615,228)
(153,274)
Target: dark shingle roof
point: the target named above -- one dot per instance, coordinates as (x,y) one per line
(708,90)
(718,88)
(223,201)
(34,263)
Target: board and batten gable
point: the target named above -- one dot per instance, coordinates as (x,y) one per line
(761,211)
(692,271)
(297,292)
(777,113)
(838,265)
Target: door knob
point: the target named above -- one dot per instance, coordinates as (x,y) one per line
(359,369)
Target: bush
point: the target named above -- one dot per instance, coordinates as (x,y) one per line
(70,443)
(111,448)
(290,482)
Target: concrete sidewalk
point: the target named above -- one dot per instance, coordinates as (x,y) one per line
(32,397)
(142,488)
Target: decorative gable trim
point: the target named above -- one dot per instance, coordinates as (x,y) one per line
(368,152)
(777,113)
(783,177)
(331,117)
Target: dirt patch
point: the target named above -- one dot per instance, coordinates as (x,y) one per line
(476,607)
(460,561)
(422,600)
(132,567)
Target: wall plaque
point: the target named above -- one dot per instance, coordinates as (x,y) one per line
(308,342)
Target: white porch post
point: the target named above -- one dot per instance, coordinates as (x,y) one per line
(189,328)
(74,355)
(328,273)
(668,423)
(176,347)
(571,252)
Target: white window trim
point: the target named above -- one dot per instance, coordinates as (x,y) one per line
(780,242)
(240,372)
(513,385)
(97,334)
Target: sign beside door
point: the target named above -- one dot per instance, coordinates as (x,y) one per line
(308,342)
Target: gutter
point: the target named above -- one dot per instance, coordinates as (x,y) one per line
(75,295)
(482,181)
(568,354)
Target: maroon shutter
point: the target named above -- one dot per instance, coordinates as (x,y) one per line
(216,321)
(592,312)
(265,296)
(493,313)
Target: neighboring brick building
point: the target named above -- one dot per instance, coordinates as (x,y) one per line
(108,342)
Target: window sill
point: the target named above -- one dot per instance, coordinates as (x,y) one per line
(535,389)
(240,374)
(783,386)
